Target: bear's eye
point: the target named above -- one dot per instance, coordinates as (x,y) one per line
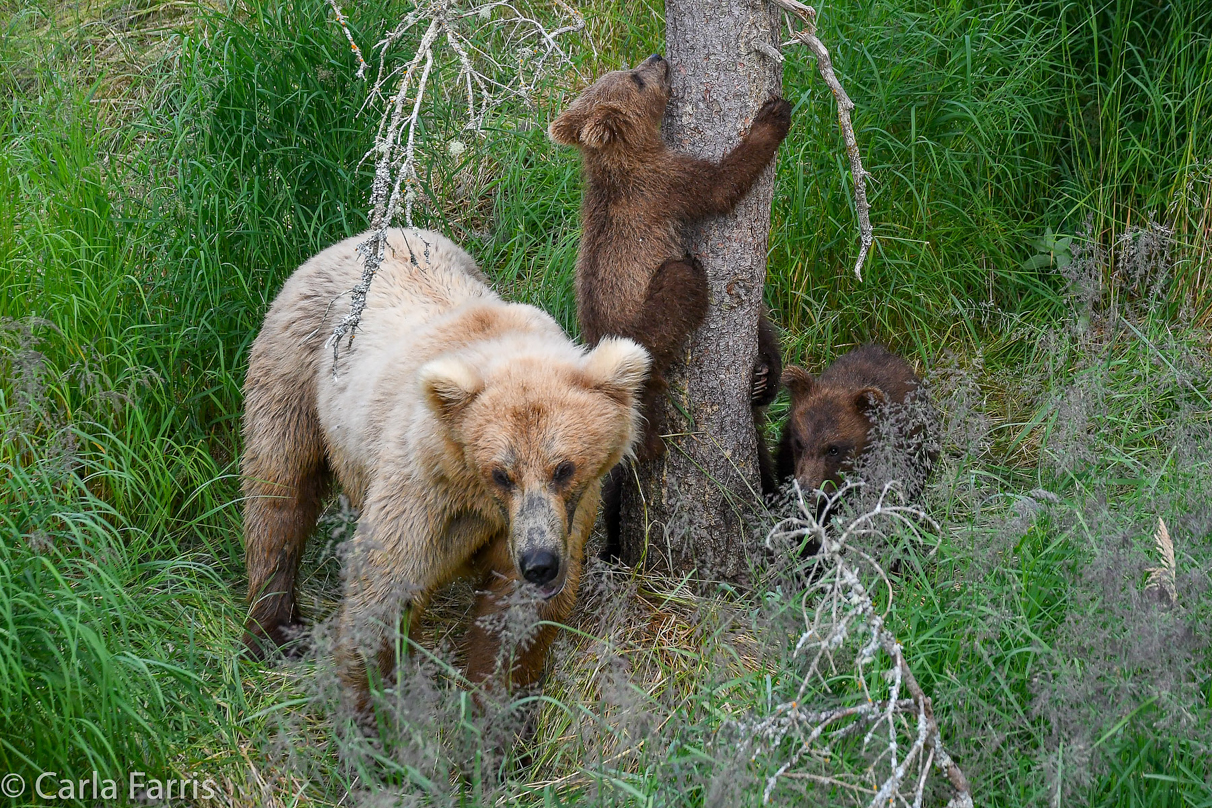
(639,82)
(833,451)
(563,472)
(501,477)
(797,446)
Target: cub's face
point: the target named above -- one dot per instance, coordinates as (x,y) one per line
(827,428)
(623,108)
(538,438)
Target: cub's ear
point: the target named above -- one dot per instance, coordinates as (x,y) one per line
(449,385)
(617,367)
(869,398)
(566,128)
(605,125)
(797,380)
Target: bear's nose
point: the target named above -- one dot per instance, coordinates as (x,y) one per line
(656,57)
(540,567)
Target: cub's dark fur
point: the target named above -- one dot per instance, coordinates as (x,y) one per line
(829,430)
(633,276)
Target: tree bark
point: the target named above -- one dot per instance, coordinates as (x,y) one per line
(691,507)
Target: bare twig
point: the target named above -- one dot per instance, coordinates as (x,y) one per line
(824,64)
(843,613)
(480,77)
(344,23)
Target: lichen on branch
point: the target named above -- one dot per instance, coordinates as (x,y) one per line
(453,32)
(840,617)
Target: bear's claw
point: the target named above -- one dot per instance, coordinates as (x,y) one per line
(761,383)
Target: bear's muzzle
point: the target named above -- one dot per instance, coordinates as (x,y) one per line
(538,538)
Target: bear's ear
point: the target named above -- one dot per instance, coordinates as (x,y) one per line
(869,398)
(605,125)
(799,381)
(566,128)
(449,385)
(617,367)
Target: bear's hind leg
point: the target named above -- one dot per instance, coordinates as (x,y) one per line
(612,511)
(767,472)
(768,366)
(285,479)
(676,304)
(767,370)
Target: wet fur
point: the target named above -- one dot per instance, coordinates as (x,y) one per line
(444,385)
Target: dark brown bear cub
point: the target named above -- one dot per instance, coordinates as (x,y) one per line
(866,415)
(634,278)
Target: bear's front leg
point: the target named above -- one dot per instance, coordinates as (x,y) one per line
(372,613)
(518,663)
(704,188)
(400,555)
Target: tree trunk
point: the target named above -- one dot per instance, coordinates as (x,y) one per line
(690,511)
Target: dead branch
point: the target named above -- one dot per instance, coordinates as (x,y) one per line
(484,81)
(824,64)
(344,23)
(1161,578)
(839,612)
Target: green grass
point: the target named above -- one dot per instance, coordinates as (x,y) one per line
(163,169)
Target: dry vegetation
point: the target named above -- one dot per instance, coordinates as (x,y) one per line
(1043,227)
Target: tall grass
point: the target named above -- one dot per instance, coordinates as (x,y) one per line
(109,522)
(1136,88)
(985,125)
(153,198)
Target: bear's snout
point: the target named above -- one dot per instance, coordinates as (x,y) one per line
(810,472)
(655,63)
(538,542)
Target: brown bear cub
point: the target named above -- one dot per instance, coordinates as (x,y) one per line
(866,415)
(471,434)
(633,276)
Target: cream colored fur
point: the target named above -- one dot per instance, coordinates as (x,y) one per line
(444,385)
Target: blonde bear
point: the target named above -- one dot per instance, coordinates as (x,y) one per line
(471,434)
